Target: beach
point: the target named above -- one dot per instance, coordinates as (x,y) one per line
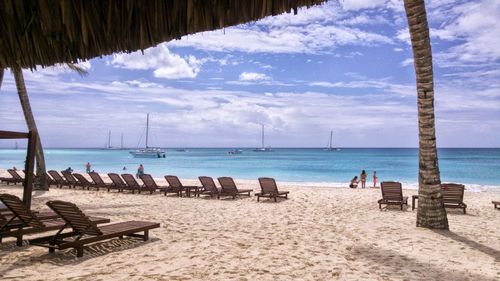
(319,233)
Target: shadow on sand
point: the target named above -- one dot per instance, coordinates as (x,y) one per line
(470,243)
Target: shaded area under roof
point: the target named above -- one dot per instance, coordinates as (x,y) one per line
(45,32)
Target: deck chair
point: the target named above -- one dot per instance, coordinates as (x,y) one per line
(495,204)
(208,187)
(50,180)
(150,184)
(69,179)
(228,188)
(16,178)
(84,182)
(175,186)
(392,194)
(270,189)
(85,232)
(132,184)
(99,182)
(60,182)
(24,221)
(453,196)
(118,182)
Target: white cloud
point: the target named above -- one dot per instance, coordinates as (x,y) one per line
(164,63)
(361,4)
(253,76)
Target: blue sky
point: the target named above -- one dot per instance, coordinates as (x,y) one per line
(344,66)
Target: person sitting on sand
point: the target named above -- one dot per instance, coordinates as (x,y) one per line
(354,182)
(69,170)
(363,179)
(374,179)
(140,171)
(124,168)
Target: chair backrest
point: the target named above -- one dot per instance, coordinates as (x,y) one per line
(55,175)
(74,217)
(130,180)
(49,178)
(227,184)
(14,174)
(148,181)
(208,183)
(268,185)
(452,192)
(96,178)
(68,176)
(23,213)
(391,190)
(173,181)
(116,179)
(81,179)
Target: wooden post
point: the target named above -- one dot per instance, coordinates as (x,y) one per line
(29,169)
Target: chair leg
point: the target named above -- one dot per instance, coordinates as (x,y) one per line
(19,241)
(258,197)
(146,235)
(79,251)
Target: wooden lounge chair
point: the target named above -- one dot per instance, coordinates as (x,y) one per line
(86,232)
(118,182)
(132,184)
(60,182)
(453,196)
(99,182)
(392,194)
(50,180)
(84,182)
(150,184)
(208,187)
(228,188)
(495,204)
(24,221)
(175,186)
(69,179)
(16,178)
(270,189)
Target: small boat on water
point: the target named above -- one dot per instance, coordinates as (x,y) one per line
(235,151)
(181,150)
(263,148)
(330,146)
(148,152)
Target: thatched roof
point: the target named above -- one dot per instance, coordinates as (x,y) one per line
(46,32)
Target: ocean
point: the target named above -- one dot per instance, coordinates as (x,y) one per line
(477,168)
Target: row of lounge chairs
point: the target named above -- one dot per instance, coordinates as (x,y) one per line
(15,177)
(127,182)
(19,220)
(392,194)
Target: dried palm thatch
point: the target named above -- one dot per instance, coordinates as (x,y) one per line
(45,32)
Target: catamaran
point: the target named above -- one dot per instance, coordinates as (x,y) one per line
(263,148)
(148,152)
(330,146)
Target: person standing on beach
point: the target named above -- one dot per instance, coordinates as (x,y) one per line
(88,167)
(363,179)
(140,171)
(374,179)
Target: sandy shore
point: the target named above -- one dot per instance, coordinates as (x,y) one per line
(318,234)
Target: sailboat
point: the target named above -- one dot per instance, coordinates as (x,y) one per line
(263,148)
(148,152)
(16,146)
(330,146)
(108,144)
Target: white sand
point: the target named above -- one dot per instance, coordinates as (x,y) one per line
(318,234)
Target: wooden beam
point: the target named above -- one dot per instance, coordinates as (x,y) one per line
(29,169)
(13,135)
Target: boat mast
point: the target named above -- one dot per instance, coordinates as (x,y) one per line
(331,137)
(263,136)
(109,139)
(147,130)
(121,142)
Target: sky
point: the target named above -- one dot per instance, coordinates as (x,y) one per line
(345,66)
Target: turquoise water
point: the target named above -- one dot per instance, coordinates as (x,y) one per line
(477,167)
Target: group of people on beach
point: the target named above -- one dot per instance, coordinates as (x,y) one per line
(140,169)
(362,178)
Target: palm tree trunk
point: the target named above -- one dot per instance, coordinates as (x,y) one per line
(1,77)
(431,212)
(40,179)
